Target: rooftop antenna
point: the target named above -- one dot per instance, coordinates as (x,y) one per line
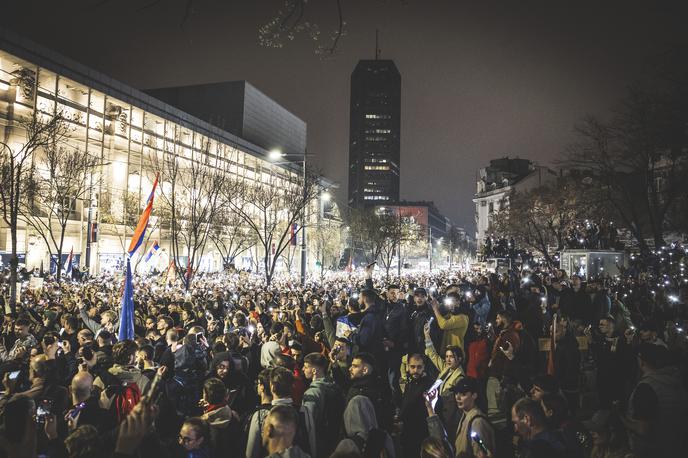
(377,44)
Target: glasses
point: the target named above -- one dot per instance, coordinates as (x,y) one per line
(185,440)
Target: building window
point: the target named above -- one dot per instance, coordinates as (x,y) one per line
(376,167)
(491,208)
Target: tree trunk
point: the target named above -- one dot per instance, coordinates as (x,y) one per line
(14,263)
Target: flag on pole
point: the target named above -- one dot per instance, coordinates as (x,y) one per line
(68,263)
(126,320)
(140,231)
(154,249)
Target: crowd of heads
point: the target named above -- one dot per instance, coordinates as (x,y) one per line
(349,365)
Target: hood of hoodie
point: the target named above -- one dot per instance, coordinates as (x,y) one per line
(359,417)
(126,373)
(268,352)
(218,358)
(219,418)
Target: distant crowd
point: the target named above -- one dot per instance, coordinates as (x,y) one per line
(531,362)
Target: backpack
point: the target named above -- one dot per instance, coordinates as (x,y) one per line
(373,445)
(331,422)
(126,396)
(301,438)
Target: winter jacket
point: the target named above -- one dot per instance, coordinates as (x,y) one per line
(224,431)
(567,363)
(668,432)
(371,331)
(499,363)
(292,452)
(478,358)
(454,330)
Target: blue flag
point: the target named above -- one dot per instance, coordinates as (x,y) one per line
(126,319)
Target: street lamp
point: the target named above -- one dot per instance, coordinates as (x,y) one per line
(274,155)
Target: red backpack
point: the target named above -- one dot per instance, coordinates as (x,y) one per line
(126,397)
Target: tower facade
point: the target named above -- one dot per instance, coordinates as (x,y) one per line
(374,138)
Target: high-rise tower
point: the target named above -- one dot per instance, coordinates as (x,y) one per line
(374,139)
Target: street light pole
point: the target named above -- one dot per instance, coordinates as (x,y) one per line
(431,247)
(304,256)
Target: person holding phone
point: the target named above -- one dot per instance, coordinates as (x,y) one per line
(472,424)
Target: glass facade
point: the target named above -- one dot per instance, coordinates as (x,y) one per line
(126,137)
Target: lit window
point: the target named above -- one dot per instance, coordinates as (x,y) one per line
(376,167)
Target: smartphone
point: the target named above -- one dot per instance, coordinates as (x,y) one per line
(476,438)
(43,409)
(435,386)
(232,397)
(14,375)
(77,408)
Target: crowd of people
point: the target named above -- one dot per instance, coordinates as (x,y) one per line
(529,363)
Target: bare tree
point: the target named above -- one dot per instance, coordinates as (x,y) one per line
(396,231)
(230,236)
(15,167)
(270,209)
(58,181)
(328,240)
(191,187)
(366,231)
(639,157)
(539,219)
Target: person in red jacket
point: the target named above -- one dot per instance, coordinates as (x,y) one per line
(478,358)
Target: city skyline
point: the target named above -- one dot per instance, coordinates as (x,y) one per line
(480,82)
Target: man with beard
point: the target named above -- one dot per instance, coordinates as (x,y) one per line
(413,412)
(501,362)
(395,341)
(365,382)
(419,315)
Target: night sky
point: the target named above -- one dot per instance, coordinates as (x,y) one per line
(478,81)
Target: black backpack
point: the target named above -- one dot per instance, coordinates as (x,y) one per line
(331,422)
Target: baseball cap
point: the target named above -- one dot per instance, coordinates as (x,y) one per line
(420,292)
(466,385)
(599,421)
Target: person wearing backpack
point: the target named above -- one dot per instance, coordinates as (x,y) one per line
(254,426)
(123,383)
(325,403)
(281,383)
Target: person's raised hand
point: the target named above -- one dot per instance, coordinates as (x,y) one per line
(508,351)
(434,304)
(50,427)
(51,350)
(428,397)
(369,270)
(426,331)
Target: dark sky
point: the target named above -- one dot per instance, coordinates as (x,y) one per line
(480,80)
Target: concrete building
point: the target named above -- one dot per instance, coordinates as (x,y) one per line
(126,130)
(495,184)
(375,132)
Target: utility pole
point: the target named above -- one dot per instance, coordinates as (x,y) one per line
(304,257)
(430,242)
